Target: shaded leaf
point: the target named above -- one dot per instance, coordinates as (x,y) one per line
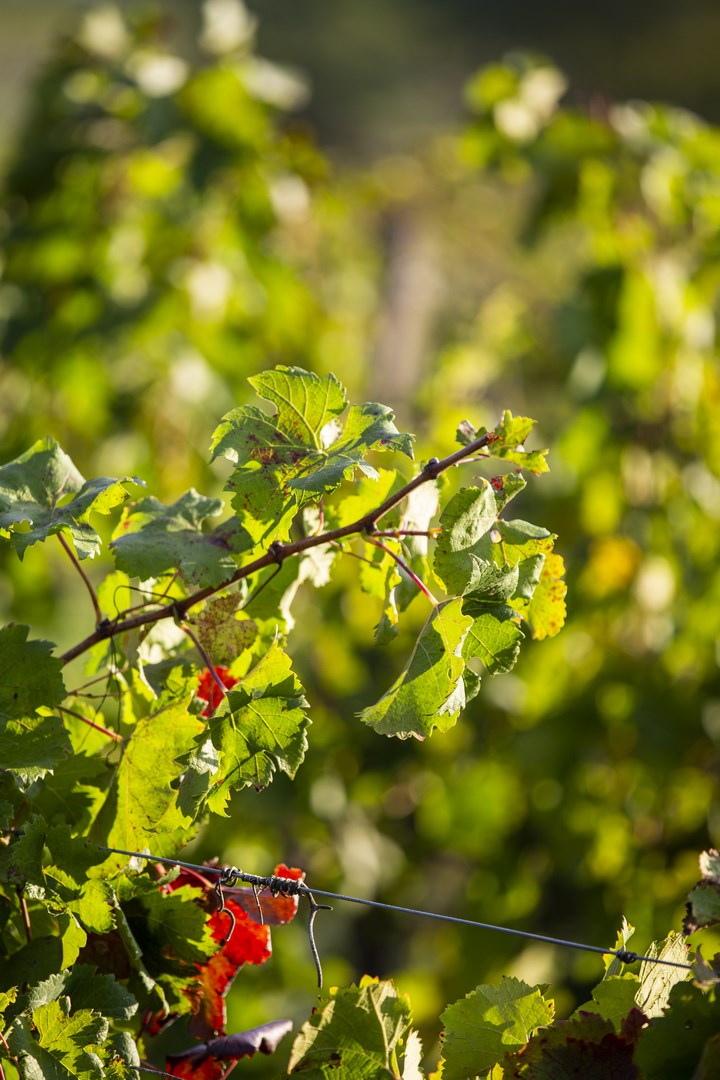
(494,636)
(674,1044)
(30,676)
(581,1048)
(86,990)
(459,562)
(35,490)
(153,539)
(429,693)
(703,906)
(33,746)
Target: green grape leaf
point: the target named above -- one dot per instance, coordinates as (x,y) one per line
(494,636)
(429,693)
(35,491)
(675,1043)
(509,444)
(86,990)
(33,746)
(71,856)
(365,493)
(94,907)
(153,539)
(507,487)
(22,859)
(300,451)
(613,998)
(703,906)
(260,727)
(140,810)
(379,576)
(30,676)
(66,1046)
(175,921)
(367,427)
(354,1031)
(489,1023)
(468,517)
(613,964)
(657,980)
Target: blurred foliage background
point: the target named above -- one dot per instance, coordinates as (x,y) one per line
(168,227)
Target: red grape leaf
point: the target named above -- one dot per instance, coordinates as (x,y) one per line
(582,1048)
(276,910)
(205,1062)
(208,690)
(249,942)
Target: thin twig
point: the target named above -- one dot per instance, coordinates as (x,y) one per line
(206,658)
(11,1056)
(78,691)
(279,552)
(404,567)
(397,534)
(91,723)
(88,583)
(25,914)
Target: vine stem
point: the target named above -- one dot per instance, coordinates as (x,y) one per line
(404,567)
(91,723)
(88,583)
(277,553)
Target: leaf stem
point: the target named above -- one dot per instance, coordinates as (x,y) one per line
(404,567)
(206,658)
(279,552)
(91,723)
(25,914)
(10,1055)
(88,584)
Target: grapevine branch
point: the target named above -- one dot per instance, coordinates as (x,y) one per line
(110,628)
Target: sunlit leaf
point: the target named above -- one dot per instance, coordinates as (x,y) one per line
(490,1022)
(260,728)
(429,693)
(300,450)
(356,1029)
(42,489)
